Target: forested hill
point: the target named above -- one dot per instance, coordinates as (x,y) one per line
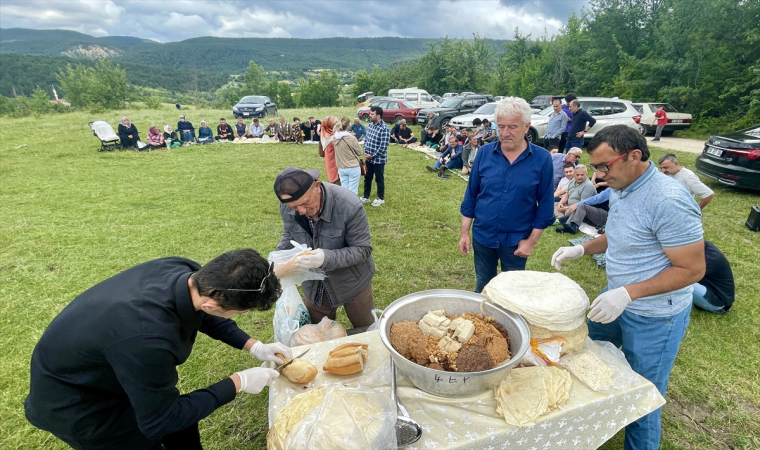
(26,72)
(230,55)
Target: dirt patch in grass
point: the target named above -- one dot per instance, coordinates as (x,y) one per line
(392,229)
(703,417)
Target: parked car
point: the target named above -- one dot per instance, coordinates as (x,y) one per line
(254,106)
(499,98)
(365,98)
(436,98)
(676,120)
(413,94)
(606,111)
(393,110)
(363,112)
(733,159)
(450,94)
(542,101)
(454,106)
(484,112)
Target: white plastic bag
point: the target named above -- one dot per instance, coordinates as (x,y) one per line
(290,313)
(348,418)
(601,366)
(141,145)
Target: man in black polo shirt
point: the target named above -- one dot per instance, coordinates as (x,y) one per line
(582,122)
(103,375)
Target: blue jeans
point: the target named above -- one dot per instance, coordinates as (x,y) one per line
(650,345)
(698,296)
(349,178)
(574,142)
(486,260)
(186,136)
(454,164)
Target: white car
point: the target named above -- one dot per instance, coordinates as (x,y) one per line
(606,111)
(676,120)
(484,112)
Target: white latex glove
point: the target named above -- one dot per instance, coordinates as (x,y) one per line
(610,305)
(255,379)
(566,254)
(312,261)
(266,352)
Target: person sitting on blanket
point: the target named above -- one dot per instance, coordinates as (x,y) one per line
(451,130)
(205,135)
(470,150)
(592,211)
(434,138)
(283,133)
(580,190)
(564,182)
(170,137)
(358,130)
(128,134)
(273,130)
(241,131)
(307,130)
(186,130)
(490,133)
(296,133)
(715,291)
(224,132)
(403,134)
(256,130)
(155,138)
(451,158)
(478,130)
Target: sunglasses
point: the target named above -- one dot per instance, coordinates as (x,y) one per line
(604,168)
(262,287)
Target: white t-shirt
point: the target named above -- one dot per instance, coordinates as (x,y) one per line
(692,183)
(565,182)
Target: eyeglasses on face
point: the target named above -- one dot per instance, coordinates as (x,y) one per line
(604,168)
(262,287)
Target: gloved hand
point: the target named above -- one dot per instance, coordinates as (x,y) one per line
(312,261)
(253,380)
(610,305)
(566,254)
(266,352)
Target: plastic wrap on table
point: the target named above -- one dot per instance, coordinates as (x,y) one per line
(600,366)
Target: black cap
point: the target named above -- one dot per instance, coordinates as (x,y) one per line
(294,182)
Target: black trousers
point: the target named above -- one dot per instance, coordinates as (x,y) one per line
(229,137)
(130,142)
(562,142)
(378,171)
(187,439)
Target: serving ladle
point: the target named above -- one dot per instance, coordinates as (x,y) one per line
(408,431)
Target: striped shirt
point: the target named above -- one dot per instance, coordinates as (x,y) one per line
(376,142)
(692,183)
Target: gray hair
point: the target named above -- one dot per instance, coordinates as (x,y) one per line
(668,157)
(575,151)
(512,107)
(581,167)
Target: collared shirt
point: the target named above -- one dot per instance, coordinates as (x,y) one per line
(557,124)
(580,119)
(107,364)
(653,213)
(256,130)
(358,130)
(376,142)
(558,167)
(577,192)
(597,199)
(509,200)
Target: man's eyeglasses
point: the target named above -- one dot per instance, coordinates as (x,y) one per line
(262,287)
(604,168)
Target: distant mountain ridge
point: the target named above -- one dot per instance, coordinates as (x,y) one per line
(214,54)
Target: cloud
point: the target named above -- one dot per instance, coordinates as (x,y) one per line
(182,19)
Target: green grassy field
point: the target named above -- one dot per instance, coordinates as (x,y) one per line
(71,217)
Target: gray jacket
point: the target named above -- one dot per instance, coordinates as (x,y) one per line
(342,231)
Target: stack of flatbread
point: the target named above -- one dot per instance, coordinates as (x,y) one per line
(530,392)
(590,370)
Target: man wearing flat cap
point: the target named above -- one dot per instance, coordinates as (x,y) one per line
(331,220)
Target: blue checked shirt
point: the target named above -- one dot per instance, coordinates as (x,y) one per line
(376,142)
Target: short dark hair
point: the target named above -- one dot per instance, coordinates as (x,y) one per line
(552,147)
(622,139)
(238,269)
(296,118)
(576,103)
(223,119)
(469,130)
(569,97)
(669,157)
(377,110)
(477,121)
(570,165)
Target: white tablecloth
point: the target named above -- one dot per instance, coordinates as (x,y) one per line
(585,421)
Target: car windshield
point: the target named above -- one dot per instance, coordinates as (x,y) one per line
(546,111)
(754,132)
(252,99)
(488,108)
(410,105)
(450,102)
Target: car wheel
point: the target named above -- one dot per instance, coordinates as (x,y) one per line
(365,117)
(398,119)
(532,136)
(445,122)
(643,129)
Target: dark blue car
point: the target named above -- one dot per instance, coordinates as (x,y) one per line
(254,106)
(733,159)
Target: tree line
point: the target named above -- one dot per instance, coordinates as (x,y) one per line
(701,56)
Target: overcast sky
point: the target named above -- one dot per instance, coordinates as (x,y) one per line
(176,20)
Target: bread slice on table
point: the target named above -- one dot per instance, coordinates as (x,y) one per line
(299,371)
(347,359)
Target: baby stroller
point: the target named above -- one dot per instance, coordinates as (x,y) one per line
(108,139)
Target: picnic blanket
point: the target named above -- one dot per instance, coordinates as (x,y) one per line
(601,260)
